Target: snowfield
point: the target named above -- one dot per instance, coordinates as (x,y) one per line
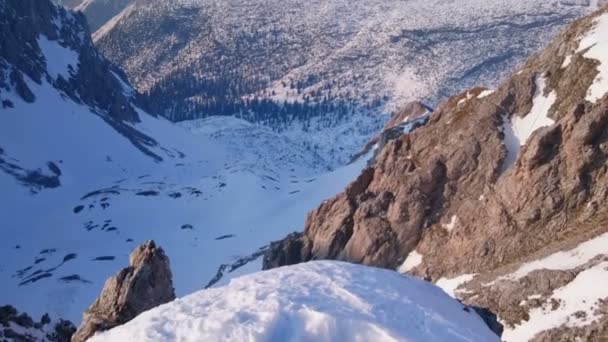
(213,201)
(316,301)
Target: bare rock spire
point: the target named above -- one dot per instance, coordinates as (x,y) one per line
(145,284)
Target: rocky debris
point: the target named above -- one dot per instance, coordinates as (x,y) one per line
(145,284)
(15,326)
(468,201)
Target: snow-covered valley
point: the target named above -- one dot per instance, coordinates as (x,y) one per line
(207,202)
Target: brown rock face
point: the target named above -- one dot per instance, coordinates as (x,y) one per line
(145,284)
(459,195)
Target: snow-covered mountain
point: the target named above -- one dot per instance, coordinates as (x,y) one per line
(86,174)
(247,58)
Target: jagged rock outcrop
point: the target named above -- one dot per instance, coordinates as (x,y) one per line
(15,326)
(31,28)
(145,284)
(494,181)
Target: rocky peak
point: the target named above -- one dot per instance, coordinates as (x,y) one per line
(145,284)
(496,180)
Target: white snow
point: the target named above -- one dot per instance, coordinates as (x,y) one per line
(567,61)
(538,116)
(485,93)
(576,296)
(597,43)
(450,226)
(254,186)
(58,59)
(412,261)
(451,285)
(565,260)
(518,130)
(316,301)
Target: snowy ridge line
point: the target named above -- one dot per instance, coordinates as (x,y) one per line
(314,301)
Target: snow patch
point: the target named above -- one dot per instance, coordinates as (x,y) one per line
(597,43)
(450,286)
(315,301)
(412,261)
(58,58)
(485,93)
(450,226)
(538,116)
(574,297)
(567,61)
(518,130)
(565,260)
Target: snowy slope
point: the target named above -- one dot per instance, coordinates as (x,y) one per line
(203,202)
(316,301)
(81,188)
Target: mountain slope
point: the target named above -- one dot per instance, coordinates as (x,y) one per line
(510,184)
(344,63)
(86,173)
(321,301)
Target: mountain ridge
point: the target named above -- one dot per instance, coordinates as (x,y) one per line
(497,180)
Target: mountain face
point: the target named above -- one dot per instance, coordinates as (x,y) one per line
(26,43)
(500,198)
(306,67)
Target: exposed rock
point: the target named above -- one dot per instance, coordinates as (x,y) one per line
(145,284)
(285,252)
(15,326)
(469,202)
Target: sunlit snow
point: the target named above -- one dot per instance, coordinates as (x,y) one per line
(597,43)
(318,301)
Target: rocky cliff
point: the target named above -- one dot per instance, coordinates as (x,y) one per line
(500,199)
(145,284)
(42,43)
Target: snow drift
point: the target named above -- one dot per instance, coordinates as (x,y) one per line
(316,301)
